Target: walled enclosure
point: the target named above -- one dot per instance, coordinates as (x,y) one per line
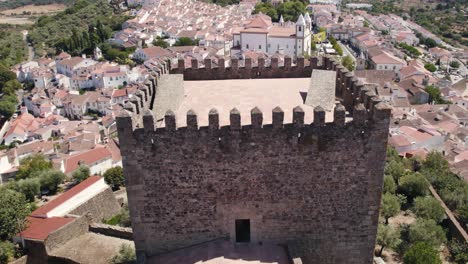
(313,187)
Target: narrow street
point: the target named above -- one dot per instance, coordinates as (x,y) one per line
(31,53)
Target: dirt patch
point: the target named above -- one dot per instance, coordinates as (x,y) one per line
(402,218)
(35,9)
(15,20)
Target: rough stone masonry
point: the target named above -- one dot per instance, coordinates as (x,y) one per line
(314,188)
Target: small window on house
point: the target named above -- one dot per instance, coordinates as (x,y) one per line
(300,29)
(394,67)
(385,66)
(259,46)
(238,43)
(287,46)
(247,46)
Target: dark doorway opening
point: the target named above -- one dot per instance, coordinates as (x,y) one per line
(243,230)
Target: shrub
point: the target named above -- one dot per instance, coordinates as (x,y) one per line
(81,174)
(421,253)
(126,255)
(390,206)
(387,236)
(13,211)
(459,251)
(7,251)
(427,231)
(389,185)
(29,188)
(114,177)
(430,67)
(50,180)
(413,185)
(428,208)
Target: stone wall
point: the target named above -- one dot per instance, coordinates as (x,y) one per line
(111,230)
(245,70)
(317,186)
(102,206)
(67,232)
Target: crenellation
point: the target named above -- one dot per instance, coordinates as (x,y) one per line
(256,116)
(207,63)
(339,115)
(298,116)
(274,64)
(248,63)
(213,119)
(235,119)
(360,115)
(192,120)
(287,62)
(319,116)
(148,121)
(170,121)
(277,117)
(194,64)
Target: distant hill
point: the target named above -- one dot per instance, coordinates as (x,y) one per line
(11,4)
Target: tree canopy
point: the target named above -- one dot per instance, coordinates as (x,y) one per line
(13,213)
(421,253)
(114,177)
(81,174)
(428,208)
(32,165)
(427,231)
(387,236)
(413,185)
(390,206)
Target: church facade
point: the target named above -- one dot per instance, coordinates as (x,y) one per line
(261,35)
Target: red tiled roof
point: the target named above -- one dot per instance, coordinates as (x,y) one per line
(43,210)
(40,228)
(87,158)
(119,93)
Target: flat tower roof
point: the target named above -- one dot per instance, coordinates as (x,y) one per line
(266,94)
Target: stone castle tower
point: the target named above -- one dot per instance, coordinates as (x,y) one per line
(313,187)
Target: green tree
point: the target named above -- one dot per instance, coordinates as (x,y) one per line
(395,169)
(13,213)
(427,231)
(313,46)
(430,43)
(435,160)
(390,206)
(7,251)
(126,255)
(430,67)
(29,188)
(267,9)
(81,174)
(50,180)
(11,87)
(348,63)
(32,165)
(428,208)
(413,185)
(459,251)
(389,185)
(6,75)
(421,253)
(291,10)
(454,64)
(184,41)
(7,106)
(160,43)
(114,177)
(387,236)
(434,95)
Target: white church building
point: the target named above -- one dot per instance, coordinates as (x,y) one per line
(261,35)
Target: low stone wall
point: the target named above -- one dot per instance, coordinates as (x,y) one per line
(455,227)
(110,230)
(102,206)
(67,232)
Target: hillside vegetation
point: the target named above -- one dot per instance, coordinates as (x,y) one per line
(77,30)
(12,46)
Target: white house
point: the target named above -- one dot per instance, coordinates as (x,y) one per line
(262,36)
(387,61)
